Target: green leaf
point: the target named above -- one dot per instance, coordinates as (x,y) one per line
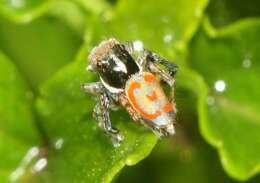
(228,59)
(17,130)
(38,48)
(94,6)
(87,155)
(163,27)
(225,12)
(71,13)
(25,11)
(178,160)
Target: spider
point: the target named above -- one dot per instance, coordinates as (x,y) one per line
(128,78)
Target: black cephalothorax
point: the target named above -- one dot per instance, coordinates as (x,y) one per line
(117,66)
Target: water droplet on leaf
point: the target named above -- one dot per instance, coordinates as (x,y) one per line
(220,86)
(59,143)
(39,165)
(138,45)
(247,63)
(167,38)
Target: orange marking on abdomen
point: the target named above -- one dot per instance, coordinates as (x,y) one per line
(135,85)
(149,77)
(152,97)
(168,107)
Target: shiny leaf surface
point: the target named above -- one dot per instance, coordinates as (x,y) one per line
(229,60)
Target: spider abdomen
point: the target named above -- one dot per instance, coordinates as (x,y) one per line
(148,99)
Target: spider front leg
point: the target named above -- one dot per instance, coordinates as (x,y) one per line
(153,61)
(101,111)
(157,59)
(146,55)
(155,69)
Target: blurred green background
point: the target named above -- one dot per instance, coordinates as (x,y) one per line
(47,133)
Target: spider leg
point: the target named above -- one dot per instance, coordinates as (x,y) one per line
(101,111)
(136,50)
(113,133)
(93,88)
(144,56)
(157,59)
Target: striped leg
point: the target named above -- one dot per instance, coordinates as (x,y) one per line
(101,111)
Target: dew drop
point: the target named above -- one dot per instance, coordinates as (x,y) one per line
(138,45)
(247,63)
(116,144)
(31,154)
(39,165)
(220,86)
(15,175)
(59,143)
(167,38)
